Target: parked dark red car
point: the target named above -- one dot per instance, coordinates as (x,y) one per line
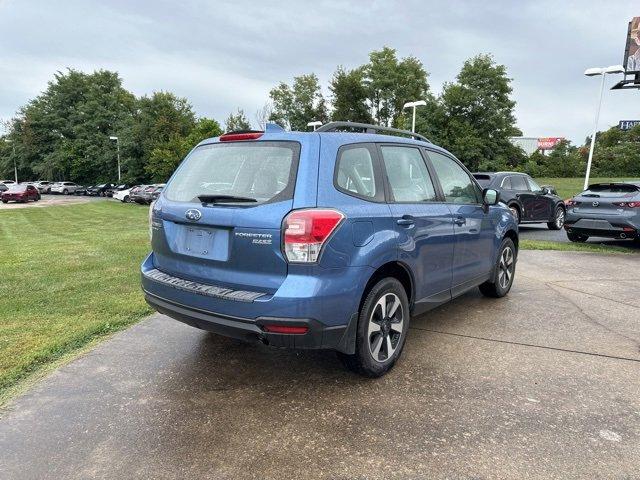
(20,193)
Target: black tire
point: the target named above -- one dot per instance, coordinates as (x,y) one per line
(577,238)
(503,272)
(65,192)
(5,201)
(373,344)
(515,211)
(126,199)
(558,219)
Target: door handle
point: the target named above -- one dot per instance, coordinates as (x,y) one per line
(406,221)
(460,221)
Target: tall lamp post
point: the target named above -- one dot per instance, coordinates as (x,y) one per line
(13,155)
(118,149)
(315,124)
(419,103)
(594,72)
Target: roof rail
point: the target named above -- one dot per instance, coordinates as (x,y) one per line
(368,128)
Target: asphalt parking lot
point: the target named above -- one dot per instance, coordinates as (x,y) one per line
(544,383)
(50,200)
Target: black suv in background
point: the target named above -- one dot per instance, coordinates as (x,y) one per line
(100,190)
(528,201)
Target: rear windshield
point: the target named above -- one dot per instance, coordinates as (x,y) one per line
(483,180)
(264,171)
(610,190)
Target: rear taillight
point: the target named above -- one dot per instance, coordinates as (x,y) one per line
(240,136)
(306,231)
(627,204)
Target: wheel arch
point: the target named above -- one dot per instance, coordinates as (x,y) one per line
(396,270)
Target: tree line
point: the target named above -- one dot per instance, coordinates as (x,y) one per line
(64,133)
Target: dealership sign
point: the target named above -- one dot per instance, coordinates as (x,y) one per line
(548,143)
(628,124)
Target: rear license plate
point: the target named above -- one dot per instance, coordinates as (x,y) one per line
(199,241)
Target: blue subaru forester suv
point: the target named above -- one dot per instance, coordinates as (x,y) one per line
(330,239)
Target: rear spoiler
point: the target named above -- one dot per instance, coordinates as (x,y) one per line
(631,186)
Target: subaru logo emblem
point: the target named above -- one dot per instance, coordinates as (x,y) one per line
(595,204)
(193,214)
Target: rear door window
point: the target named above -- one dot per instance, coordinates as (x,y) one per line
(409,179)
(264,171)
(518,182)
(356,173)
(506,183)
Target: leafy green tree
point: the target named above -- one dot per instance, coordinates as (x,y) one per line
(166,157)
(237,121)
(296,105)
(349,96)
(159,119)
(64,132)
(390,83)
(474,117)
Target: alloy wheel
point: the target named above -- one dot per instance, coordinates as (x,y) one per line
(384,331)
(560,218)
(506,267)
(515,213)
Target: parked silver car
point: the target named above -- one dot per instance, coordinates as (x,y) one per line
(605,210)
(64,188)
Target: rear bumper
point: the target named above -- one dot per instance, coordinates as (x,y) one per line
(318,336)
(609,227)
(326,302)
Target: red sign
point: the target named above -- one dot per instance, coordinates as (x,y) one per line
(548,143)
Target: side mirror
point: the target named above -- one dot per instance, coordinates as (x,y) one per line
(490,196)
(545,191)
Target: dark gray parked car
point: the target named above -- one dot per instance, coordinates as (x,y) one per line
(605,210)
(528,201)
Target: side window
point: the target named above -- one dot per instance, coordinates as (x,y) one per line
(533,185)
(355,173)
(456,183)
(506,183)
(408,176)
(518,182)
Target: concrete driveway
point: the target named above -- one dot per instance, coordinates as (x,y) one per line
(542,384)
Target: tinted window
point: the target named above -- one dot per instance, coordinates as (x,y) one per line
(355,172)
(506,183)
(518,182)
(408,176)
(483,180)
(261,170)
(456,183)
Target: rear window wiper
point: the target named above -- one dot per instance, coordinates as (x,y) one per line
(225,199)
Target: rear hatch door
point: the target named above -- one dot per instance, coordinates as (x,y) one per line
(606,199)
(221,215)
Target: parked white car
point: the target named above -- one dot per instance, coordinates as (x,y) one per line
(64,188)
(122,195)
(7,182)
(43,186)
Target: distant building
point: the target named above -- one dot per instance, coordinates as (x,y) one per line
(533,144)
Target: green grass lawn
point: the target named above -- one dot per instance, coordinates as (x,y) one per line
(568,187)
(68,274)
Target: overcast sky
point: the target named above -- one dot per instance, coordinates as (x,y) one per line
(225,55)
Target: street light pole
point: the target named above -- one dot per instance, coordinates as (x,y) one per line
(592,72)
(418,103)
(15,165)
(118,150)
